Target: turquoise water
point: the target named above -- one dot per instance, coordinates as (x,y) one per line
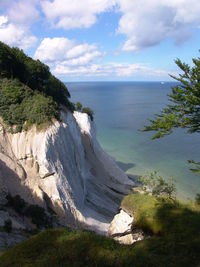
(121,109)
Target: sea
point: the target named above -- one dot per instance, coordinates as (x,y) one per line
(121,110)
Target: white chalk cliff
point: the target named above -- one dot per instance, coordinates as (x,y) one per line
(66,166)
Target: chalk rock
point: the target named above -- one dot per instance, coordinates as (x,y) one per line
(121,224)
(66,165)
(121,229)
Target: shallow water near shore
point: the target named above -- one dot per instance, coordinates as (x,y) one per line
(123,108)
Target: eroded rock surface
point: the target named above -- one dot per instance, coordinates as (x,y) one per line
(66,166)
(121,229)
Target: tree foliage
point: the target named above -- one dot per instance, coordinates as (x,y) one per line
(37,214)
(33,73)
(158,186)
(89,111)
(184,108)
(78,106)
(29,93)
(20,106)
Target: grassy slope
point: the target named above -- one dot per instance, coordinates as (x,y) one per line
(177,242)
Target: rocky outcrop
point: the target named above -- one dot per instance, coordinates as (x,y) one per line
(64,167)
(121,229)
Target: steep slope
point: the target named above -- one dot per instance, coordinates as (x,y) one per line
(64,167)
(61,167)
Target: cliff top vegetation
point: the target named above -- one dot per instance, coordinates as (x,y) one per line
(29,93)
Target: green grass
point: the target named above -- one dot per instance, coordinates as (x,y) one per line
(177,243)
(144,209)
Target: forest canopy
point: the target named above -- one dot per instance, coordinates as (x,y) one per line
(29,93)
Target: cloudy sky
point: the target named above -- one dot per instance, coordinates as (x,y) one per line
(104,39)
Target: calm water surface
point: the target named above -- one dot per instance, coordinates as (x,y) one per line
(121,109)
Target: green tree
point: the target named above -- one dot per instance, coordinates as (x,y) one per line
(14,64)
(158,186)
(79,106)
(29,93)
(184,108)
(89,111)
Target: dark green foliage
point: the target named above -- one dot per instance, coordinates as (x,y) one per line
(20,104)
(16,202)
(184,110)
(197,199)
(28,91)
(89,112)
(38,216)
(8,226)
(78,106)
(36,213)
(34,74)
(158,185)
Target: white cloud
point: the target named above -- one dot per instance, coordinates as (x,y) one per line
(67,52)
(110,70)
(67,59)
(15,21)
(145,23)
(23,12)
(3,20)
(70,14)
(15,35)
(148,22)
(53,49)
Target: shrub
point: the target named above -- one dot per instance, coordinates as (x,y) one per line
(197,199)
(158,186)
(38,216)
(16,202)
(28,91)
(36,75)
(20,105)
(89,112)
(79,106)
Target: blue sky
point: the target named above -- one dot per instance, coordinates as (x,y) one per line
(104,40)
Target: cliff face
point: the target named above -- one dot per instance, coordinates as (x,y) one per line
(64,167)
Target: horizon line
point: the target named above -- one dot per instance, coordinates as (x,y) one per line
(161,81)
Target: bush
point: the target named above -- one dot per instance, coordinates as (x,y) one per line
(197,199)
(16,202)
(156,184)
(14,64)
(20,105)
(78,106)
(89,112)
(38,216)
(28,91)
(8,226)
